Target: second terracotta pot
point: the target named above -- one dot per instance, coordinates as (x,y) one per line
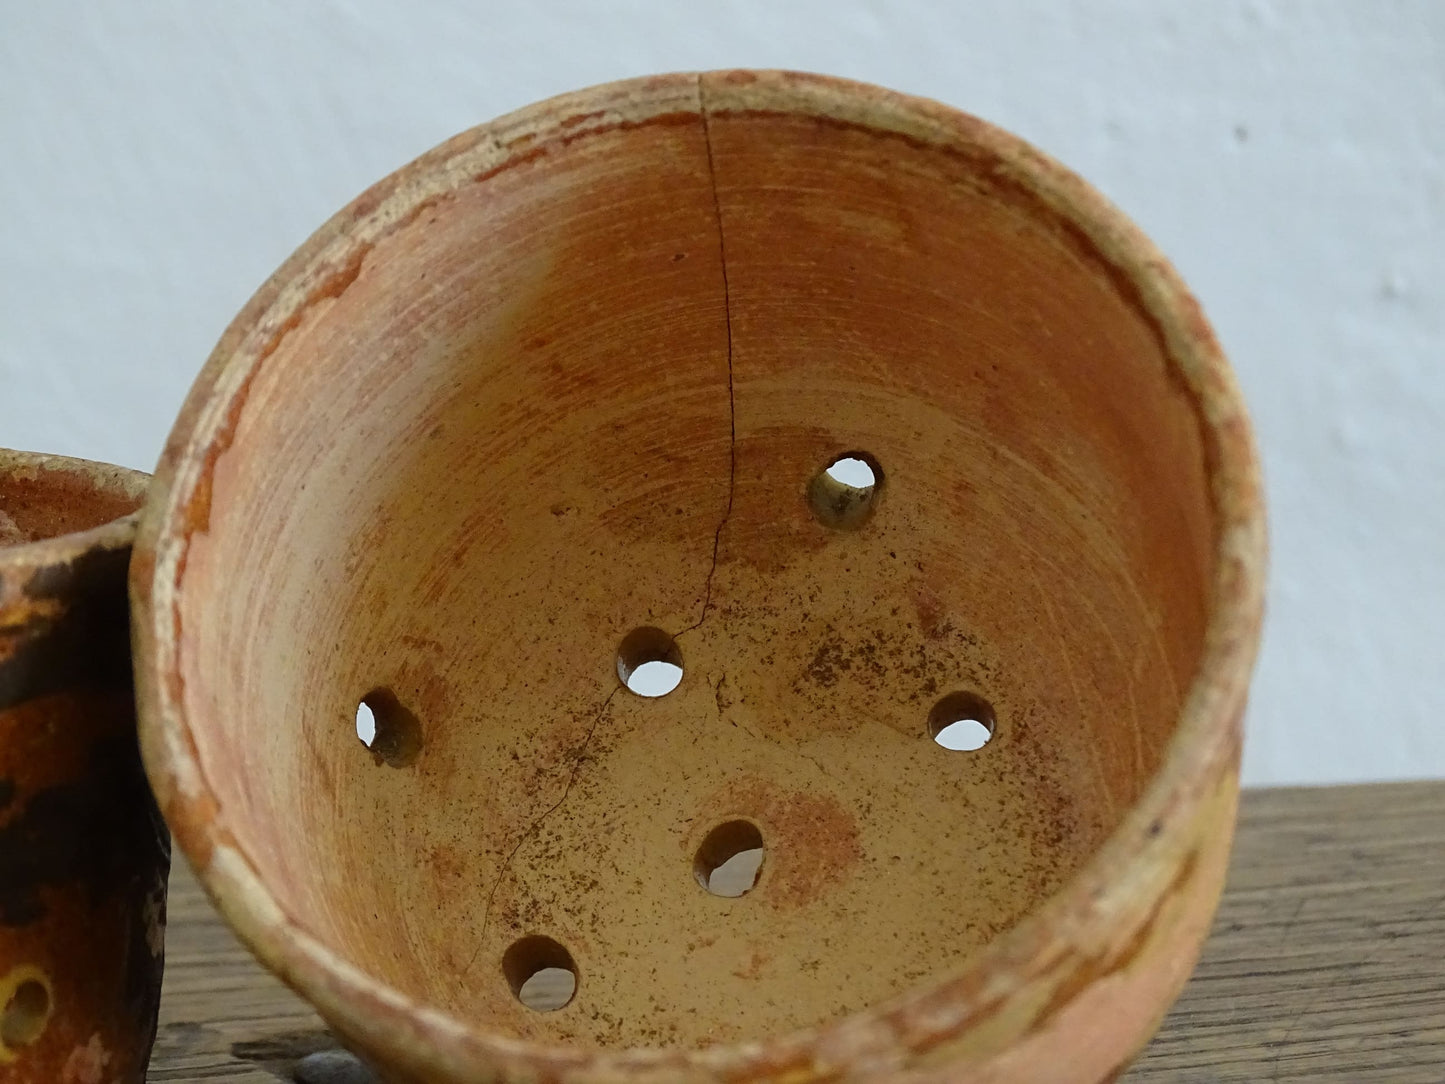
(83,855)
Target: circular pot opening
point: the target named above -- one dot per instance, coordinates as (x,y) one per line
(578,373)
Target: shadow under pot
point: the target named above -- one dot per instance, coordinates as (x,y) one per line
(83,853)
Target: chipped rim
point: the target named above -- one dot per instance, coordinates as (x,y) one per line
(1202,754)
(104,478)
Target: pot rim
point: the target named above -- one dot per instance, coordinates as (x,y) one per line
(1131,865)
(105,478)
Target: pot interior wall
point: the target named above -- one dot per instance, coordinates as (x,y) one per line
(587,394)
(41,500)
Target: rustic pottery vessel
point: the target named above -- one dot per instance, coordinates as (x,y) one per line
(555,405)
(83,853)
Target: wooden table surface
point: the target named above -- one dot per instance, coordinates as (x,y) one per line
(1326,963)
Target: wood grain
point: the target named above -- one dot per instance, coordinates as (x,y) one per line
(1325,962)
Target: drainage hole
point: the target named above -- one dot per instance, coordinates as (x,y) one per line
(843,493)
(728,862)
(961,721)
(540,972)
(25,1014)
(649,662)
(386,727)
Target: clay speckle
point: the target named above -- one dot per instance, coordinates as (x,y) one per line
(86,1064)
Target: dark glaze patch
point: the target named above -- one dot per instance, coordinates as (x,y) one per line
(91,625)
(89,832)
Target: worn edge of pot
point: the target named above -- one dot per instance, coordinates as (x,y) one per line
(118,533)
(1118,883)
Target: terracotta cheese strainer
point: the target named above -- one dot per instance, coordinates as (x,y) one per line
(881,436)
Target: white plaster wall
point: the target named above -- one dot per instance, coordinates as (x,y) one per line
(159,159)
